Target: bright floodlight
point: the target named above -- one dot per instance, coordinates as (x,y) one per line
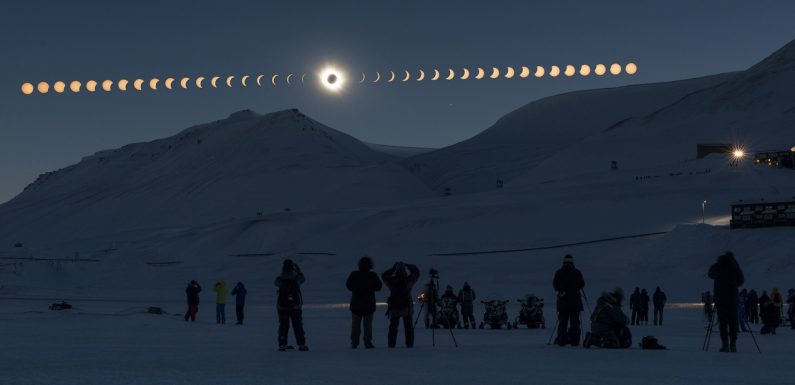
(332,79)
(738,153)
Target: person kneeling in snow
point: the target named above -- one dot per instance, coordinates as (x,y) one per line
(609,323)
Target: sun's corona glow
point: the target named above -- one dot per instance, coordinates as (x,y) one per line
(331,78)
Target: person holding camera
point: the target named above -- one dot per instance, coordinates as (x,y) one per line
(400,278)
(431,299)
(727,277)
(363,284)
(289,303)
(192,292)
(568,282)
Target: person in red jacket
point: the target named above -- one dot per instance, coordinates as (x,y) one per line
(400,278)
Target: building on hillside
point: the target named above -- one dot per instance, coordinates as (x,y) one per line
(702,150)
(763,214)
(779,158)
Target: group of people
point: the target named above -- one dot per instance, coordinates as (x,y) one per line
(769,309)
(609,324)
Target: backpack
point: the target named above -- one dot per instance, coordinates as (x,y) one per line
(651,343)
(400,296)
(289,295)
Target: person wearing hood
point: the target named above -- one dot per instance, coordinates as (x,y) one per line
(727,277)
(192,292)
(363,283)
(400,278)
(568,282)
(220,302)
(288,304)
(240,301)
(466,297)
(659,299)
(609,323)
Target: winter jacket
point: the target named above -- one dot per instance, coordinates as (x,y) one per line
(466,295)
(568,282)
(192,292)
(727,276)
(220,292)
(659,298)
(450,296)
(644,300)
(753,300)
(776,298)
(287,277)
(607,320)
(363,284)
(634,300)
(400,285)
(240,294)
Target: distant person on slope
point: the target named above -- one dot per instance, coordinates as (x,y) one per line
(659,299)
(466,297)
(192,292)
(400,304)
(363,283)
(221,291)
(568,282)
(240,301)
(288,304)
(609,323)
(727,277)
(634,306)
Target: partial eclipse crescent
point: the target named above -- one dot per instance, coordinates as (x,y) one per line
(481,74)
(302,78)
(182,83)
(199,81)
(136,84)
(288,78)
(450,75)
(122,85)
(169,83)
(408,76)
(436,75)
(377,77)
(539,71)
(244,79)
(363,78)
(465,76)
(229,81)
(554,71)
(422,76)
(525,72)
(495,73)
(570,70)
(214,81)
(509,72)
(391,76)
(273,79)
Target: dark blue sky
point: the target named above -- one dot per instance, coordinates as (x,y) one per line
(63,40)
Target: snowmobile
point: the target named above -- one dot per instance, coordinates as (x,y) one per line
(495,315)
(60,306)
(447,315)
(532,313)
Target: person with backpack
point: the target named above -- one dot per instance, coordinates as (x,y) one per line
(644,307)
(568,282)
(609,323)
(752,307)
(659,299)
(240,301)
(727,277)
(192,292)
(220,302)
(400,278)
(288,305)
(634,306)
(466,297)
(363,283)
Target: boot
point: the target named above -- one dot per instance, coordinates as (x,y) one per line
(733,346)
(724,345)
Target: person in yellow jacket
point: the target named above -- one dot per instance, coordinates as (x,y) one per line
(221,291)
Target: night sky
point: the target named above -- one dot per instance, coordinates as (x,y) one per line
(64,40)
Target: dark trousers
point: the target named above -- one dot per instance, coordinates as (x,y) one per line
(393,330)
(468,313)
(356,329)
(239,312)
(635,316)
(568,328)
(294,316)
(220,313)
(727,321)
(191,313)
(658,315)
(753,314)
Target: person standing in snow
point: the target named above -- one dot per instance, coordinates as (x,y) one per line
(449,314)
(220,302)
(568,283)
(431,302)
(752,307)
(727,277)
(240,292)
(742,301)
(363,283)
(288,304)
(644,307)
(634,306)
(400,278)
(659,299)
(466,297)
(791,307)
(192,292)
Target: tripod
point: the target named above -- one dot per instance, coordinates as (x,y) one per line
(711,323)
(434,283)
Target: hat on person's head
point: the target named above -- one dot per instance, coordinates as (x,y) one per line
(568,259)
(449,288)
(288,264)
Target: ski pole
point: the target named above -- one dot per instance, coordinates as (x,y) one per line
(555,329)
(586,302)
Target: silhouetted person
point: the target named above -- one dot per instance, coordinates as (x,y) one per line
(289,304)
(742,301)
(659,299)
(220,302)
(240,301)
(644,307)
(400,278)
(752,307)
(634,306)
(431,302)
(363,283)
(192,292)
(727,277)
(568,282)
(467,299)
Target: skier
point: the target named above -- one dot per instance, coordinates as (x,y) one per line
(289,304)
(609,323)
(467,298)
(727,276)
(742,301)
(634,306)
(220,302)
(449,315)
(644,307)
(399,304)
(659,299)
(240,301)
(363,283)
(752,307)
(192,292)
(431,300)
(791,307)
(568,282)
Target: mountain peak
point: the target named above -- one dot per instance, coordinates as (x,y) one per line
(782,59)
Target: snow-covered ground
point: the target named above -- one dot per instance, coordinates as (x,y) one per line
(117,343)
